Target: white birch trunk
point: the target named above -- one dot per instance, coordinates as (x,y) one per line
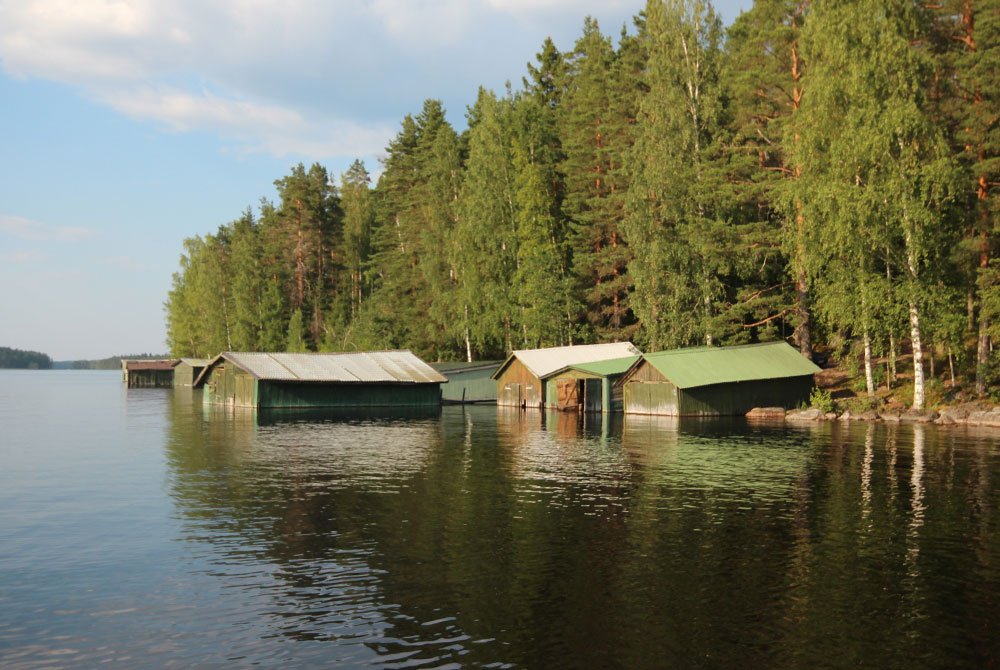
(918,357)
(468,341)
(918,351)
(869,376)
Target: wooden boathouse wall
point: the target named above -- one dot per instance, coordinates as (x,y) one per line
(518,386)
(148,373)
(187,370)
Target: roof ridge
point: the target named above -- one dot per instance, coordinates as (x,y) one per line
(703,348)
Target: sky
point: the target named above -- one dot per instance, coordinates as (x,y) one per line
(127,126)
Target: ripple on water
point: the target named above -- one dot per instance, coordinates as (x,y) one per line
(165,536)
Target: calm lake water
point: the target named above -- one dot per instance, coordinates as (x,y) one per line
(139,530)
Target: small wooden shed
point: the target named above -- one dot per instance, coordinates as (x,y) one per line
(148,373)
(588,387)
(468,383)
(346,380)
(718,381)
(186,370)
(521,378)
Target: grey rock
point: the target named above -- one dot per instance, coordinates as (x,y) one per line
(917,416)
(766,413)
(811,414)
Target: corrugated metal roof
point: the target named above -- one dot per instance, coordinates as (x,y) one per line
(703,366)
(377,366)
(194,362)
(615,366)
(543,362)
(150,365)
(448,367)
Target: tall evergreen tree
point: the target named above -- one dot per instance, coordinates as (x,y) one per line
(308,225)
(416,200)
(597,106)
(969,97)
(764,74)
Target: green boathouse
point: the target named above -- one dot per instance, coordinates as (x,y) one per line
(521,378)
(468,383)
(588,387)
(186,370)
(718,381)
(148,373)
(345,380)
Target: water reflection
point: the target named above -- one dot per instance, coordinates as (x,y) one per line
(493,536)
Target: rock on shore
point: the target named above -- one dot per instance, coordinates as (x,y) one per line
(948,416)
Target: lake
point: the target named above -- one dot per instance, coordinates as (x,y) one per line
(139,529)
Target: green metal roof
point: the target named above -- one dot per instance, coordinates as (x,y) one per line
(703,366)
(450,367)
(615,366)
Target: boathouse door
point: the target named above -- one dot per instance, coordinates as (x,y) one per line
(569,395)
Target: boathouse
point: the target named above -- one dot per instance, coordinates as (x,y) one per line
(186,370)
(148,373)
(718,381)
(346,380)
(588,387)
(468,382)
(520,379)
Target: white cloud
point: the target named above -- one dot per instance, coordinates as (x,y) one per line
(26,229)
(425,24)
(22,256)
(579,8)
(278,130)
(318,78)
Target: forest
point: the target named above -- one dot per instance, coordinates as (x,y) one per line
(820,171)
(19,359)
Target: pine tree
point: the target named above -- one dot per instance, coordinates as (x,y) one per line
(597,105)
(416,197)
(308,226)
(968,89)
(764,73)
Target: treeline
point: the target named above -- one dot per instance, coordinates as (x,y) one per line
(19,359)
(823,171)
(110,363)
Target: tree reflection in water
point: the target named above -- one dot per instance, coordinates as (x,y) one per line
(487,535)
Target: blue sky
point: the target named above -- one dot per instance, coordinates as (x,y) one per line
(129,125)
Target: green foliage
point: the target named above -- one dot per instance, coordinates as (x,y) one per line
(822,172)
(296,342)
(821,399)
(861,404)
(597,105)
